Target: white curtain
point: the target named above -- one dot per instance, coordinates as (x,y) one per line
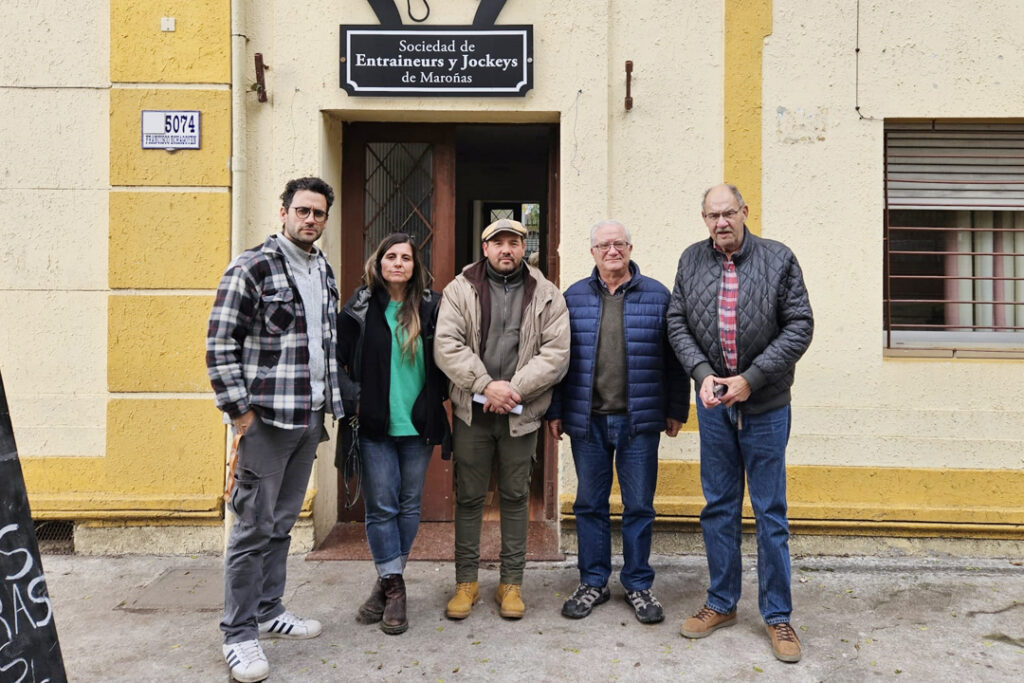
(987,276)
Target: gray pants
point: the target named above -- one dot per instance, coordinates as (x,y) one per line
(270,485)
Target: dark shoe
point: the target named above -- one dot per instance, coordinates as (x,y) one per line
(583,600)
(371,611)
(785,644)
(705,622)
(394,620)
(648,609)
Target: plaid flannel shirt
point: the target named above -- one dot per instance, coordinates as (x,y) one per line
(728,295)
(257,352)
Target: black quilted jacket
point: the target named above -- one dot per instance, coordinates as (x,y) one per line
(773,316)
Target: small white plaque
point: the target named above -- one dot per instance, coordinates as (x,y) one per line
(170,130)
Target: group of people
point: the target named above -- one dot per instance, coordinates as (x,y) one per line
(608,364)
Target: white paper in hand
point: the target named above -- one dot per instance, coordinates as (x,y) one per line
(480,398)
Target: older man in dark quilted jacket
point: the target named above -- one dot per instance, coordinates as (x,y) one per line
(739,320)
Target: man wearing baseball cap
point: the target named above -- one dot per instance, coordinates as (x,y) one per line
(503,340)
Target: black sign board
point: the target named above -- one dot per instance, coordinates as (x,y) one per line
(443,61)
(29,651)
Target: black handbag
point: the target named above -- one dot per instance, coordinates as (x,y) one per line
(347,458)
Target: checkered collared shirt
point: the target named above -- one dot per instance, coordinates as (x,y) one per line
(728,295)
(257,351)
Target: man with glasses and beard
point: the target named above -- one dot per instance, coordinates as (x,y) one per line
(272,361)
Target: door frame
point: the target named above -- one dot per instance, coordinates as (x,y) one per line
(355,136)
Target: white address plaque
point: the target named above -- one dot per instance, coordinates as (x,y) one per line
(170,129)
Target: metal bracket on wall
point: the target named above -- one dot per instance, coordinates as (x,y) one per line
(261,86)
(629,83)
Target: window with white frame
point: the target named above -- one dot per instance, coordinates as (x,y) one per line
(954,236)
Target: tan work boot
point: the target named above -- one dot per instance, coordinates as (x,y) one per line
(509,596)
(785,644)
(705,622)
(466,595)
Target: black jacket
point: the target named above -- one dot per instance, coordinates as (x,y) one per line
(364,356)
(773,318)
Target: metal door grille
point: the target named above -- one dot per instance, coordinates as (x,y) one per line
(399,193)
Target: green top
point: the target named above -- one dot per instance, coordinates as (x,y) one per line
(407,377)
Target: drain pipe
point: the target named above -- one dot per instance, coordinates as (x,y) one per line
(238,169)
(238,154)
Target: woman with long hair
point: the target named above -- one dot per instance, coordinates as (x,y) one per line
(390,382)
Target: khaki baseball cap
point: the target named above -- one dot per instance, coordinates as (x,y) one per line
(503,225)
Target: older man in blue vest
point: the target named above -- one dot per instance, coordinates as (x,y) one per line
(624,387)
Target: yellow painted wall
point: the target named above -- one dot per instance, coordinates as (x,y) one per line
(747,24)
(160,461)
(162,240)
(197,51)
(133,166)
(96,309)
(156,343)
(866,500)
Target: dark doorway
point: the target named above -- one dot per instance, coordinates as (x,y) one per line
(443,183)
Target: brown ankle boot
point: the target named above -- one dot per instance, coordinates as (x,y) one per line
(371,611)
(394,620)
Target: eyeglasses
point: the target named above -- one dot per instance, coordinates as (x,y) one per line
(727,215)
(619,245)
(303,212)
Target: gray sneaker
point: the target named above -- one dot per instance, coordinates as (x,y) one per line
(648,609)
(583,599)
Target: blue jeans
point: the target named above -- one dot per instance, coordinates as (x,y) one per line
(636,462)
(392,483)
(731,445)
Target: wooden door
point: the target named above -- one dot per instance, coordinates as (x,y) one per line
(400,178)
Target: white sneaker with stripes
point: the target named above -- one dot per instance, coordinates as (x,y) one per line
(287,625)
(247,661)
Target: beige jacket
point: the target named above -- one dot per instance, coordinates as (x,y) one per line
(543,346)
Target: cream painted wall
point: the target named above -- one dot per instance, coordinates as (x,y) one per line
(613,162)
(54,43)
(53,200)
(303,81)
(647,167)
(668,149)
(824,197)
(664,152)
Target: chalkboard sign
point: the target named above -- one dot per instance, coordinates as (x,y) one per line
(29,651)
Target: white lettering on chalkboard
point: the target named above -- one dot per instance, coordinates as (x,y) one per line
(24,605)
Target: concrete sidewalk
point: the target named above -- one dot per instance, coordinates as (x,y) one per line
(149,618)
